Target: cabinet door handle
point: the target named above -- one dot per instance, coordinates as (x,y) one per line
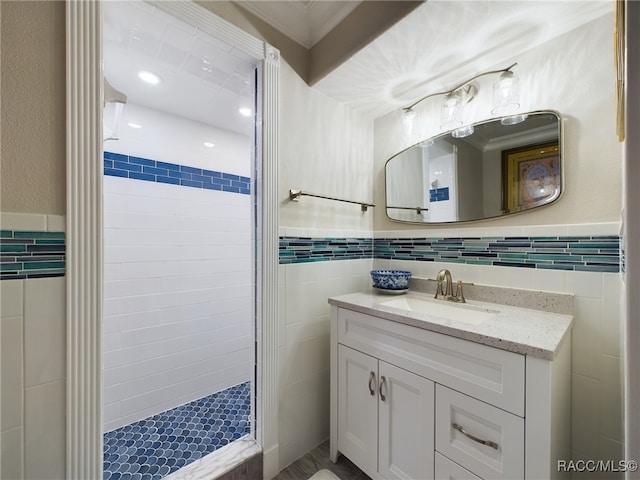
(382,380)
(372,377)
(488,443)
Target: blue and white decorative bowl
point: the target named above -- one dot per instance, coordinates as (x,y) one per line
(391,279)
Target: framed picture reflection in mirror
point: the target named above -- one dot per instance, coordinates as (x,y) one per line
(531,176)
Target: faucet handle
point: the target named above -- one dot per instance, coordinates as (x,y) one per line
(459,295)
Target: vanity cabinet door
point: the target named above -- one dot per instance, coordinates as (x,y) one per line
(358,408)
(406,406)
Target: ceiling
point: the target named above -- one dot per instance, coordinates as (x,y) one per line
(432,48)
(203,79)
(304,21)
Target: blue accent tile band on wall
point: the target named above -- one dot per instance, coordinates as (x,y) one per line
(589,253)
(136,168)
(29,254)
(439,194)
(584,253)
(308,249)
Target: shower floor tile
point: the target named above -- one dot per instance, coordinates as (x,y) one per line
(159,445)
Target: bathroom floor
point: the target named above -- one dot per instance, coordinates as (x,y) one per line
(159,445)
(318,459)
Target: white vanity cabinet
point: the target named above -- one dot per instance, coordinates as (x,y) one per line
(385,417)
(410,403)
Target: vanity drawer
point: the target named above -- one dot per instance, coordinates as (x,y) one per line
(489,374)
(448,470)
(462,423)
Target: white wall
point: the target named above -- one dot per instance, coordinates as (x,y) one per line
(32,351)
(303,348)
(178,312)
(325,149)
(168,138)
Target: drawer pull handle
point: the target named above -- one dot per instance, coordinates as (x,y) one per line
(382,380)
(488,443)
(372,377)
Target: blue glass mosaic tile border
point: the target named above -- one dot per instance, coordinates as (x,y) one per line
(591,254)
(152,448)
(439,194)
(127,166)
(577,253)
(28,254)
(308,249)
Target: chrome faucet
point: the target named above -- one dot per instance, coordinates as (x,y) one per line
(444,275)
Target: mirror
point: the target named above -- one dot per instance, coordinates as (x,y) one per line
(507,165)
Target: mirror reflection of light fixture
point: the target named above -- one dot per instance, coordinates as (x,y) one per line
(451,115)
(513,119)
(462,131)
(113,105)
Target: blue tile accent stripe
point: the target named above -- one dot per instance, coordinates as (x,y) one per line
(576,253)
(590,253)
(308,249)
(127,166)
(439,194)
(152,448)
(28,254)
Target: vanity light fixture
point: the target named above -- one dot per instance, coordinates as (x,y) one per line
(452,110)
(506,94)
(408,122)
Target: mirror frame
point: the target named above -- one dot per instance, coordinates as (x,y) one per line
(455,222)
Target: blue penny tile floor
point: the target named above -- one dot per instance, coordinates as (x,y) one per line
(159,445)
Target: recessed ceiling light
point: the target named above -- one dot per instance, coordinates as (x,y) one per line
(149,77)
(244,111)
(209,144)
(134,125)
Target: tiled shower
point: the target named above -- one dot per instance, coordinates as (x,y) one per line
(178,335)
(178,341)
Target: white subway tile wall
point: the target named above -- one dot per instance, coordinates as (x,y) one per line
(178,296)
(303,347)
(32,335)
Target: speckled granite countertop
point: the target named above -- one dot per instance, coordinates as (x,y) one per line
(520,330)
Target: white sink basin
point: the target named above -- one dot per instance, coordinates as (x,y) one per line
(441,308)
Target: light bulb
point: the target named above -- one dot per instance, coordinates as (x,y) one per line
(451,111)
(506,94)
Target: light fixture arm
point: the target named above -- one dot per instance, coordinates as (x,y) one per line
(459,86)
